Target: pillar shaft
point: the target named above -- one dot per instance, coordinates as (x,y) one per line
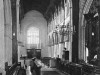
(14,32)
(98,53)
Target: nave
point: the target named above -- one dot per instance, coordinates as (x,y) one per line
(44,71)
(58,68)
(64,33)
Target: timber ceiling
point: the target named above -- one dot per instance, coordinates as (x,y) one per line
(46,7)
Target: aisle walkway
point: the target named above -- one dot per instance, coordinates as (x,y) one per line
(45,70)
(50,71)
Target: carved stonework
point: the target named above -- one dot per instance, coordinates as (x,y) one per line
(94,42)
(87,7)
(82,3)
(94,5)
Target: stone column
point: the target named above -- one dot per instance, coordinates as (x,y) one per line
(8,32)
(98,53)
(14,32)
(2,44)
(75,4)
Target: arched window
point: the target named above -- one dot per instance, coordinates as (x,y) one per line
(33,35)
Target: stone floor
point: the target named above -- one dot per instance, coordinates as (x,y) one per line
(45,70)
(50,71)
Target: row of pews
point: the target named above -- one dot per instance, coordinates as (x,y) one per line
(15,69)
(77,69)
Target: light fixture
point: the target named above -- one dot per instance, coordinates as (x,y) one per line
(96,15)
(13,34)
(92,33)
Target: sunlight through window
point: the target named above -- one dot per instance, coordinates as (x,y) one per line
(33,35)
